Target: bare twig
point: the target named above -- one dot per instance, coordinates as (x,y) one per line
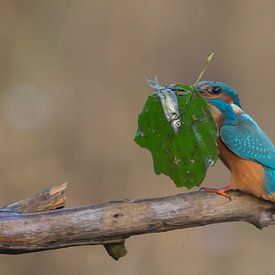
(205,67)
(110,223)
(52,198)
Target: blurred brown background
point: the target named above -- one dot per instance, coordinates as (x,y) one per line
(72,82)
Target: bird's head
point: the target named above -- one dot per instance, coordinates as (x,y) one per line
(213,89)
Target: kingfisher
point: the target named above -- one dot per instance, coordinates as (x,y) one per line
(243,146)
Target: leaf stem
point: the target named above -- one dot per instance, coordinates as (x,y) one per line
(205,67)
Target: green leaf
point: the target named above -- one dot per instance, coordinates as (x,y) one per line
(184,156)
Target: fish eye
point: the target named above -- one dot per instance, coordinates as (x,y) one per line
(216,90)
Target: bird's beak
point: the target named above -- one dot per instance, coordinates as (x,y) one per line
(205,90)
(206,93)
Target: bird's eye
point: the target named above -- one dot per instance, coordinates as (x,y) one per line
(216,90)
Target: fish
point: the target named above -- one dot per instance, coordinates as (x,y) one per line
(169,102)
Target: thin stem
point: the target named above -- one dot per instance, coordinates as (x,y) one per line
(208,61)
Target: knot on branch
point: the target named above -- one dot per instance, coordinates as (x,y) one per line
(263,219)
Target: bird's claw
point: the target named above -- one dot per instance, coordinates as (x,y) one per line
(218,191)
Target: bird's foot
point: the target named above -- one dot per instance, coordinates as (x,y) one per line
(219,191)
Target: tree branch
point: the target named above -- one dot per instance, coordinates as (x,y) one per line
(110,223)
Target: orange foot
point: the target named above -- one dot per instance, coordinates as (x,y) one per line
(219,191)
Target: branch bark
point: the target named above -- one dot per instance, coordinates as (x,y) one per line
(37,224)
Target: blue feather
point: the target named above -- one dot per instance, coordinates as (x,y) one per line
(244,137)
(269,184)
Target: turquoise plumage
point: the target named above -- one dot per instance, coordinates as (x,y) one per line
(244,147)
(248,141)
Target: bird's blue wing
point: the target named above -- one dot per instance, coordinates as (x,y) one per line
(246,139)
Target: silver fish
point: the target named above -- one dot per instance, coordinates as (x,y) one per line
(169,102)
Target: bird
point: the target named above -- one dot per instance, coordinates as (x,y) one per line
(243,146)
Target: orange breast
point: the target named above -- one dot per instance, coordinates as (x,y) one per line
(246,175)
